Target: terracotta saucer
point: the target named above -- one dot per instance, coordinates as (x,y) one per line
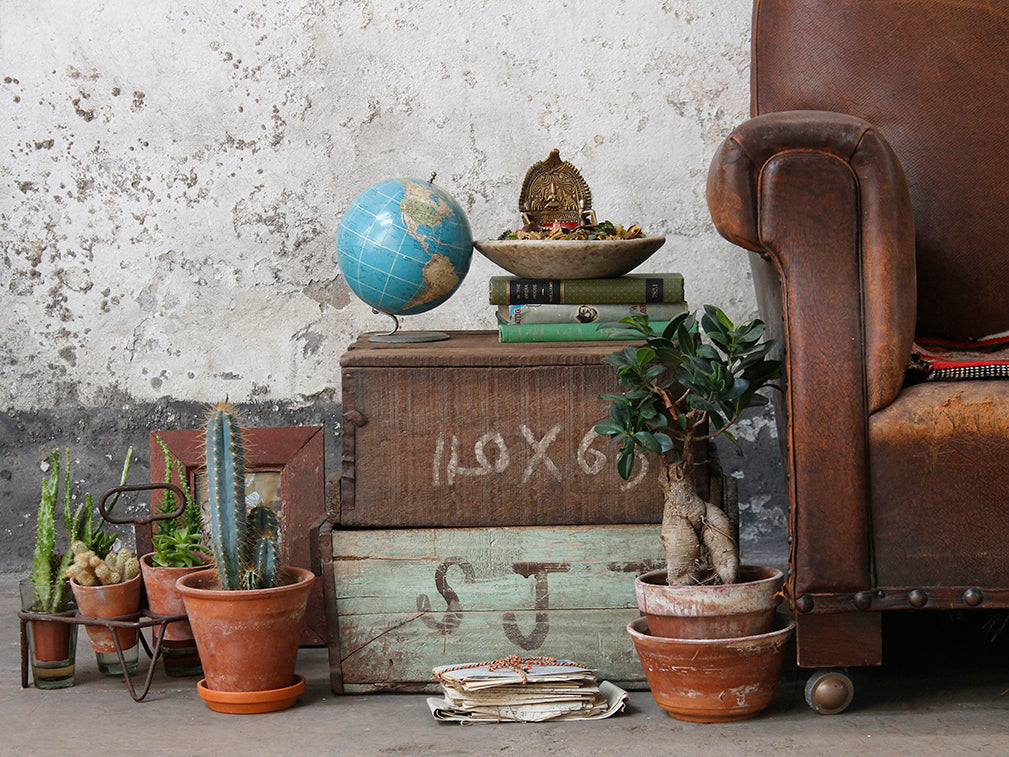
(248,702)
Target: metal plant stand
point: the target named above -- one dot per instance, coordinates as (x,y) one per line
(138,620)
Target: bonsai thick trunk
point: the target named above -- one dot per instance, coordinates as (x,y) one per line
(692,527)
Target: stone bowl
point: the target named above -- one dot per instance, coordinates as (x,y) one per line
(569,258)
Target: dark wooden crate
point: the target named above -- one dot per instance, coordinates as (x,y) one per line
(470,432)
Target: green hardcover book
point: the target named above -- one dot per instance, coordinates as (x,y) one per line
(633,288)
(561,332)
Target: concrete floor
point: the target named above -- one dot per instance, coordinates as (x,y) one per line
(945,692)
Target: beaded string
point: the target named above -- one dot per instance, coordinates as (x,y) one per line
(520,665)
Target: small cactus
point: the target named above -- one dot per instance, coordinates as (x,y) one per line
(88,569)
(246,545)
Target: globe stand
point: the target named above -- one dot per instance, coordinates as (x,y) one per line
(400,337)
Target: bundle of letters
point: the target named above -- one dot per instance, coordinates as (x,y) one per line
(523,689)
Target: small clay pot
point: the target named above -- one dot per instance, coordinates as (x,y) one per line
(164,598)
(726,611)
(112,601)
(712,680)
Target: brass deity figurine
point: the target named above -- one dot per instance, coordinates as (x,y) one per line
(555,194)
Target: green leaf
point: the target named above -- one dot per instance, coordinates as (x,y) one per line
(625,465)
(607,427)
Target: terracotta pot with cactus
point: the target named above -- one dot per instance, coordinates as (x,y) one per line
(686,385)
(247,612)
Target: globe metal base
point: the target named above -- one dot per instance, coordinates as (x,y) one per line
(410,336)
(402,337)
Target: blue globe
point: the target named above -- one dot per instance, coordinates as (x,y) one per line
(404,246)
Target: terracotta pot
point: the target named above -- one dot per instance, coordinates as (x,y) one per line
(52,639)
(248,640)
(727,611)
(52,644)
(712,680)
(164,598)
(112,601)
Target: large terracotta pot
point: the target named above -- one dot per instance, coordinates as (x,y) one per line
(712,680)
(726,611)
(248,640)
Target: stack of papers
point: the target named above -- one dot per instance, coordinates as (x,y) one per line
(525,690)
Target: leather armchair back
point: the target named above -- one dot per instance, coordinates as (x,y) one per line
(933,76)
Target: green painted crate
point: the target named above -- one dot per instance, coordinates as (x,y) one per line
(400,602)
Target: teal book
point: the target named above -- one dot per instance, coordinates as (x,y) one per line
(633,288)
(562,332)
(534,312)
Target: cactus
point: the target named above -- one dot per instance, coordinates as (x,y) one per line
(49,567)
(88,569)
(246,545)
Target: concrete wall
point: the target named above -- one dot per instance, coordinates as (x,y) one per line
(174,174)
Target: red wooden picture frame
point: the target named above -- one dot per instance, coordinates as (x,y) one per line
(298,454)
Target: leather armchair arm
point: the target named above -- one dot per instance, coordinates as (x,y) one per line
(822,201)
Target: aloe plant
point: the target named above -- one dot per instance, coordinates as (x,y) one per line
(178,543)
(246,545)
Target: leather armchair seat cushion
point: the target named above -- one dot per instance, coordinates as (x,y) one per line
(940,485)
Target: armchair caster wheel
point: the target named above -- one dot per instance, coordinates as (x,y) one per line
(829,691)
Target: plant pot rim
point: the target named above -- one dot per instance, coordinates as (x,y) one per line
(783,626)
(208,562)
(135,579)
(251,702)
(767,574)
(303,576)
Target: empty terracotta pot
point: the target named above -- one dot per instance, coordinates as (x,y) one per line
(712,680)
(745,608)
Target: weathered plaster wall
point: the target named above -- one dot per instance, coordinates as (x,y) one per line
(174,174)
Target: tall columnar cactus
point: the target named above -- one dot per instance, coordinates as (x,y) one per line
(246,545)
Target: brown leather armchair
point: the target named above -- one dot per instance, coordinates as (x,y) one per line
(871,190)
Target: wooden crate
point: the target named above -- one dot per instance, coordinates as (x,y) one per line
(400,602)
(472,432)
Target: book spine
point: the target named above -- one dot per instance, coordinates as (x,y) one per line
(625,289)
(594,313)
(561,332)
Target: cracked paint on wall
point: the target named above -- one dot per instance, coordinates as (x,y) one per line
(174,176)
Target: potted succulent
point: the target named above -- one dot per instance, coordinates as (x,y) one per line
(46,591)
(108,587)
(247,612)
(48,588)
(704,614)
(178,551)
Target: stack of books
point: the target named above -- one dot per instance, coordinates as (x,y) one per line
(526,690)
(569,310)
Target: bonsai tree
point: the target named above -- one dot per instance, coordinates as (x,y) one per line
(687,384)
(246,545)
(178,543)
(50,565)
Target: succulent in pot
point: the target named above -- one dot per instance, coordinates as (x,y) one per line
(47,590)
(178,550)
